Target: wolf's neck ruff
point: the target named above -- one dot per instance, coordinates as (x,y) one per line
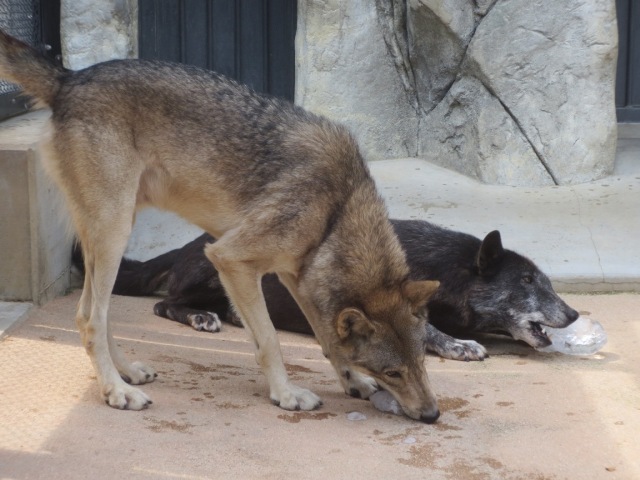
(362,251)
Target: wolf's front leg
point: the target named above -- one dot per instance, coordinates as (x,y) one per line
(453,348)
(243,285)
(353,382)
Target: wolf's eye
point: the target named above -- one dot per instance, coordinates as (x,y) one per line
(527,279)
(392,374)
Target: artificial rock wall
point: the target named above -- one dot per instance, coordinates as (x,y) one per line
(511,92)
(94,31)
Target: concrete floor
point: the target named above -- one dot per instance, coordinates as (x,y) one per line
(583,236)
(518,415)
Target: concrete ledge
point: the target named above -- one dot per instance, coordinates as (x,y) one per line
(11,314)
(583,236)
(34,244)
(628,130)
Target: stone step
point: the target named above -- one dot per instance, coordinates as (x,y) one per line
(35,244)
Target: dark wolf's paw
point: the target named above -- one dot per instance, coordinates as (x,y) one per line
(207,321)
(465,350)
(448,347)
(160,309)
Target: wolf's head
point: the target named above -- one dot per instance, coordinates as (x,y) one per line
(385,340)
(512,295)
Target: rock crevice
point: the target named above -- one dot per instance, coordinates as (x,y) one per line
(515,92)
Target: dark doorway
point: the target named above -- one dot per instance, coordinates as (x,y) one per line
(628,74)
(251,41)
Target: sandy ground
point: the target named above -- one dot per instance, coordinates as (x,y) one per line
(518,415)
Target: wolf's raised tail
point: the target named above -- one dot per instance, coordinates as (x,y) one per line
(38,76)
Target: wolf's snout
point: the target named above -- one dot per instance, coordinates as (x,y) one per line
(430,418)
(572,315)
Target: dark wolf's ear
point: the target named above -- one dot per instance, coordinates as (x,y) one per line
(490,253)
(419,292)
(353,322)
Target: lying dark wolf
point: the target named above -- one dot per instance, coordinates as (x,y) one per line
(483,288)
(284,191)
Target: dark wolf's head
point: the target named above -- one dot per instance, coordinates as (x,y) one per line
(385,341)
(511,295)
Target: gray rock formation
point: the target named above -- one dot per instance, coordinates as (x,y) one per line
(344,71)
(512,92)
(94,31)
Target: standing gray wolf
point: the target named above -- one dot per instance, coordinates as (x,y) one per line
(484,288)
(283,191)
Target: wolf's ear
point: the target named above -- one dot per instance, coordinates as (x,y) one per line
(419,292)
(490,253)
(353,322)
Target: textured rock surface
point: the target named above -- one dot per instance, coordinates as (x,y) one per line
(556,78)
(344,71)
(94,31)
(470,132)
(514,92)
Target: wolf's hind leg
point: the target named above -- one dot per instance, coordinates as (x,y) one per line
(108,361)
(243,285)
(104,239)
(84,305)
(136,373)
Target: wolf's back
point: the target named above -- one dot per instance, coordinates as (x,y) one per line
(19,63)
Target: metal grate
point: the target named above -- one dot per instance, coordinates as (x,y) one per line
(20,18)
(249,40)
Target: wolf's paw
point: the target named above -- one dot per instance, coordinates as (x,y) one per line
(124,397)
(138,373)
(358,385)
(207,321)
(295,398)
(466,350)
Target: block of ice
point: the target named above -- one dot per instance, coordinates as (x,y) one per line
(356,416)
(583,337)
(385,402)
